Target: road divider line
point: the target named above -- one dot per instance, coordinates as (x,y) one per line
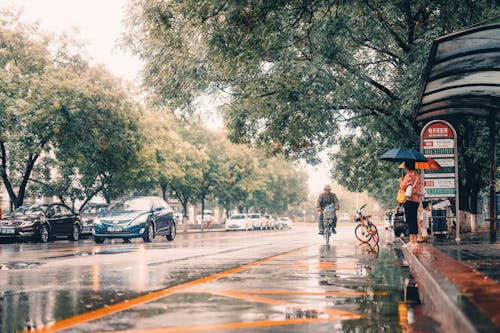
(332,313)
(295,292)
(228,326)
(153,296)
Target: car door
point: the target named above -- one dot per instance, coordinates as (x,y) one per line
(56,220)
(68,219)
(165,216)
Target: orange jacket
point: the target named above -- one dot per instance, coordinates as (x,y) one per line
(411,178)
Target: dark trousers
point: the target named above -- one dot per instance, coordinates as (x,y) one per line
(411,208)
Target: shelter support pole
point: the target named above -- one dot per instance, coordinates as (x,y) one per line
(493,172)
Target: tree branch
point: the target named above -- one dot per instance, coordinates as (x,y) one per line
(404,46)
(217,11)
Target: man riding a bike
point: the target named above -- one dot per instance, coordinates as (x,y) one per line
(326,198)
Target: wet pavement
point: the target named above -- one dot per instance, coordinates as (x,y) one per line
(460,281)
(262,281)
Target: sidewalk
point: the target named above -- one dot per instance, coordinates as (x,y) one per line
(460,282)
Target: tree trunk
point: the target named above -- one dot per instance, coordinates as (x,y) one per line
(202,211)
(164,191)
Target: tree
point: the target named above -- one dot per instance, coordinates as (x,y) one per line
(237,167)
(276,186)
(299,73)
(67,127)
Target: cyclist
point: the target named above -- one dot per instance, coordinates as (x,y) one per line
(324,199)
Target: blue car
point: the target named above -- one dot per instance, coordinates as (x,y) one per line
(135,217)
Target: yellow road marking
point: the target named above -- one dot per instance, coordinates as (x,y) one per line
(322,266)
(228,326)
(332,313)
(121,306)
(294,292)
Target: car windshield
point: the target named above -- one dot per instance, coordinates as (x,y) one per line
(254,216)
(143,204)
(237,217)
(28,210)
(93,209)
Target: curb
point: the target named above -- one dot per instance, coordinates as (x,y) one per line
(443,308)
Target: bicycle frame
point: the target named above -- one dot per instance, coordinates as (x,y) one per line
(328,222)
(365,230)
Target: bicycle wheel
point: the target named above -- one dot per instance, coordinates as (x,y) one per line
(374,232)
(361,234)
(327,236)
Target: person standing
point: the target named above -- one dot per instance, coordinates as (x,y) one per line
(326,198)
(423,224)
(388,219)
(412,198)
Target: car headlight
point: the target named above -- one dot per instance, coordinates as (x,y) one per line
(97,221)
(139,220)
(27,222)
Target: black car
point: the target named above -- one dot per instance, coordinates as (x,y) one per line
(135,217)
(41,222)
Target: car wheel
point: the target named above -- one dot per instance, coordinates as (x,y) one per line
(44,234)
(149,233)
(75,234)
(173,233)
(126,240)
(99,240)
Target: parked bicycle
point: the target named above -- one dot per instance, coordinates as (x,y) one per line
(365,230)
(329,216)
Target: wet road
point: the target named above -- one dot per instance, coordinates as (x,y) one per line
(261,281)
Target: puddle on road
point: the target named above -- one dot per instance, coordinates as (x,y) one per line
(18,265)
(391,302)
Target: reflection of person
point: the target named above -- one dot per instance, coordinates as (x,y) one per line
(326,198)
(423,224)
(411,205)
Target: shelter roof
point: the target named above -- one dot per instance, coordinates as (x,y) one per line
(463,75)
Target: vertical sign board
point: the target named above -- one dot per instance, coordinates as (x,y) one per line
(438,140)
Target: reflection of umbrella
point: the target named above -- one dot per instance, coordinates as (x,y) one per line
(429,165)
(403,155)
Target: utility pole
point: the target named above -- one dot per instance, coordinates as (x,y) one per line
(493,173)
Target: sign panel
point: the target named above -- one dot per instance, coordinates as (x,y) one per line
(438,142)
(438,129)
(440,187)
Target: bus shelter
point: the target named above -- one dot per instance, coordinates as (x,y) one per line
(462,79)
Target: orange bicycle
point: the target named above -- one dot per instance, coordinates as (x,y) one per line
(365,230)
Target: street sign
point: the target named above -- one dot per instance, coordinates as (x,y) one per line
(438,141)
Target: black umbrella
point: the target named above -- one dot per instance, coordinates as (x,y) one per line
(403,155)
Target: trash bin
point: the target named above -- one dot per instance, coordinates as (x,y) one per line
(439,225)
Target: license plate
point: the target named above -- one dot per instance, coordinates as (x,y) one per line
(114,229)
(7,231)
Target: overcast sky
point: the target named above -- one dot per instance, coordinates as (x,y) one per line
(100,24)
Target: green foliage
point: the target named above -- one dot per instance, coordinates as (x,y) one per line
(300,73)
(66,127)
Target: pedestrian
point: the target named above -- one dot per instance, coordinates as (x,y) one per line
(424,222)
(411,185)
(326,198)
(388,219)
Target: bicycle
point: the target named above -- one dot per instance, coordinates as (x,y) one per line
(328,221)
(365,230)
